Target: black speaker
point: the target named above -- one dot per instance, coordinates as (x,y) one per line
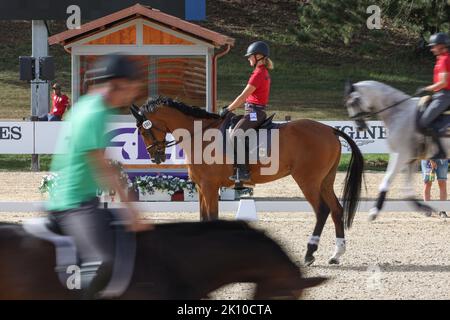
(27,68)
(46,68)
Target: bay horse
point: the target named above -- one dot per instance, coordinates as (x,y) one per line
(308,151)
(183,261)
(399,113)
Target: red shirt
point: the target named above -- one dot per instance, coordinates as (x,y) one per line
(442,65)
(260,79)
(60,104)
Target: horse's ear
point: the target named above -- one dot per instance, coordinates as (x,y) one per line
(349,88)
(135,111)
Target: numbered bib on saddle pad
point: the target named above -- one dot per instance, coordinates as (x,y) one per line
(253,116)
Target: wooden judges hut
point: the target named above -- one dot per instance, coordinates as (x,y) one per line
(179,58)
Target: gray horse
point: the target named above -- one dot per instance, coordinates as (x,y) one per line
(398,111)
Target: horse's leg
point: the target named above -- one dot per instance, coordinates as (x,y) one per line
(311,192)
(395,163)
(202,204)
(322,214)
(211,201)
(410,193)
(337,214)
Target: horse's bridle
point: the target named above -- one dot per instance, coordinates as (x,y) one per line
(372,113)
(360,116)
(147,126)
(160,145)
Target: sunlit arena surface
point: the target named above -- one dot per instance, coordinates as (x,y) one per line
(135,135)
(402,255)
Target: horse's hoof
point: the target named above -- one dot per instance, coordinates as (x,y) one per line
(373,214)
(443,214)
(309,260)
(333,261)
(427,213)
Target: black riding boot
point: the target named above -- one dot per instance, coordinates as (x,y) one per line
(441,152)
(241,172)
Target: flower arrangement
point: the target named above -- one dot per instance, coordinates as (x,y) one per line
(124,181)
(168,183)
(50,181)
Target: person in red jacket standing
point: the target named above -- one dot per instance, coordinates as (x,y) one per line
(60,102)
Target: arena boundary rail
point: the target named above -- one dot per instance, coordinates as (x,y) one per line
(227,206)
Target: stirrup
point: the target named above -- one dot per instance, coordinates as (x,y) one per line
(238,177)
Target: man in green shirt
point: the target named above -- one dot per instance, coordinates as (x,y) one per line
(82,169)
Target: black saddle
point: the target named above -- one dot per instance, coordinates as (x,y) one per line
(267,124)
(67,255)
(231,120)
(263,148)
(441,125)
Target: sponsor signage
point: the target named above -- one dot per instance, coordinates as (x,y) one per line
(16,138)
(373,140)
(127,146)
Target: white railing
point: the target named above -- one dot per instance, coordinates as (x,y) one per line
(230,206)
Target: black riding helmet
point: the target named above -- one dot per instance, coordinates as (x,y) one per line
(114,66)
(439,38)
(258,47)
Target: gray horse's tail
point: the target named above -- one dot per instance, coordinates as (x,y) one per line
(353,180)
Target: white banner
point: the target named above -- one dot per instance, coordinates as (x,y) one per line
(16,138)
(47,134)
(127,146)
(373,140)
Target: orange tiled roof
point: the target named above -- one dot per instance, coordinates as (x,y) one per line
(139,10)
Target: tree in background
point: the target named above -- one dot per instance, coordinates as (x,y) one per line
(427,16)
(332,20)
(343,20)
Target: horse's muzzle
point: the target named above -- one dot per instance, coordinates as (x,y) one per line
(159,157)
(361,125)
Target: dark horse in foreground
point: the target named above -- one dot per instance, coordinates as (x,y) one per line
(308,151)
(174,261)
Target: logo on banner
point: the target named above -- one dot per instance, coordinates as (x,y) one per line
(10,133)
(126,146)
(362,138)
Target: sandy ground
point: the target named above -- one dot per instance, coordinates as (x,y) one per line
(400,256)
(23,186)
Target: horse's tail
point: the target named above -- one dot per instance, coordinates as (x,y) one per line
(353,180)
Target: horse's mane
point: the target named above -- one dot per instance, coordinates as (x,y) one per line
(154,103)
(233,233)
(196,227)
(8,224)
(387,89)
(181,228)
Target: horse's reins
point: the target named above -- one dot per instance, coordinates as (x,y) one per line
(382,110)
(157,142)
(394,105)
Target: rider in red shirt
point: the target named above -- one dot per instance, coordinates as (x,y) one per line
(439,43)
(254,97)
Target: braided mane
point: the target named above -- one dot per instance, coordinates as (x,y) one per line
(155,103)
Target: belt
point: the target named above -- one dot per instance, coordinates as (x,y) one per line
(247,104)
